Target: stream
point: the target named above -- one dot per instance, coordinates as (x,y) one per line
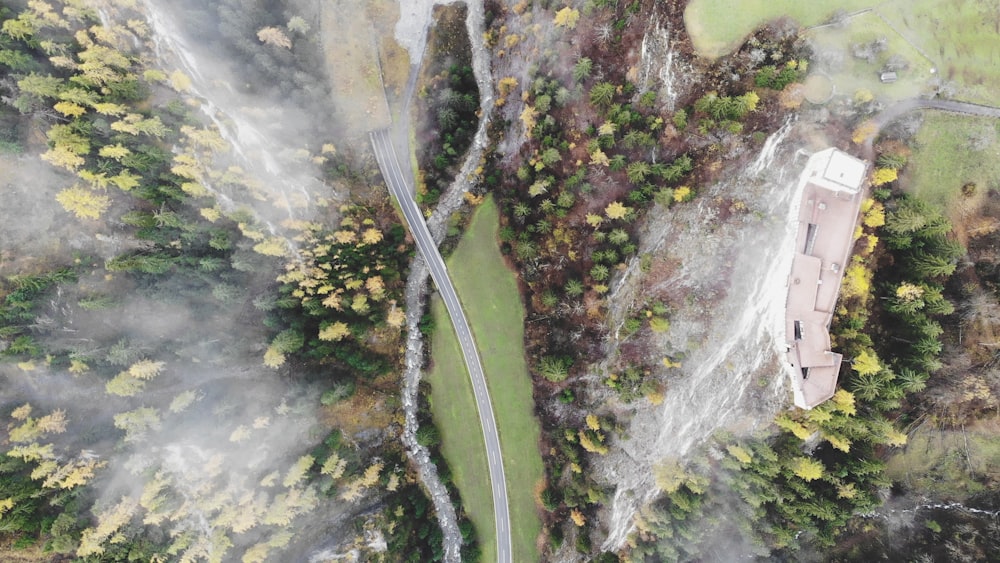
(411,32)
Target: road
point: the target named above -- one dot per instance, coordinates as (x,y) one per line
(397,181)
(898,109)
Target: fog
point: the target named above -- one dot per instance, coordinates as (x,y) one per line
(209,456)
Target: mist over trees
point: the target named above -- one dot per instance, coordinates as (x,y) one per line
(201,362)
(274,48)
(191,390)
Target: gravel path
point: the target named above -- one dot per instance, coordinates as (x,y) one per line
(896,110)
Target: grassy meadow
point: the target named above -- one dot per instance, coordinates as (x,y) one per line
(454,409)
(489,293)
(857,75)
(715,31)
(962,38)
(958,42)
(951,151)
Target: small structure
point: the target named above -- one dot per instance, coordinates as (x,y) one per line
(888,77)
(831,187)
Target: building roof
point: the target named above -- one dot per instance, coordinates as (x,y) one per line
(819,387)
(836,170)
(831,193)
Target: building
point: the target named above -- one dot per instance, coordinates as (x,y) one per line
(831,187)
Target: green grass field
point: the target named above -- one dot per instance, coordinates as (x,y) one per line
(717,27)
(960,40)
(454,410)
(492,303)
(952,150)
(855,75)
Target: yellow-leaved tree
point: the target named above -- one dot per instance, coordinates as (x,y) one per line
(874,213)
(116,152)
(273,358)
(334,466)
(334,331)
(883,176)
(371,236)
(593,442)
(807,469)
(843,401)
(33,428)
(669,475)
(529,118)
(616,210)
(864,132)
(83,203)
(599,158)
(371,475)
(109,521)
(795,427)
(69,109)
(274,36)
(743,455)
(76,472)
(63,157)
(146,369)
(396,317)
(567,17)
(866,363)
(180,81)
(298,471)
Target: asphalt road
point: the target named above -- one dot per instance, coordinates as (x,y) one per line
(902,107)
(897,109)
(397,180)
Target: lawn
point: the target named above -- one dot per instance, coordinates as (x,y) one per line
(951,151)
(492,303)
(715,31)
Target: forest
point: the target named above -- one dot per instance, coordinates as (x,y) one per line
(185,418)
(203,326)
(596,153)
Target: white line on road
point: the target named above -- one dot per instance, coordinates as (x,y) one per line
(388,161)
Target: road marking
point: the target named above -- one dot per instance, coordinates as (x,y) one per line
(385,154)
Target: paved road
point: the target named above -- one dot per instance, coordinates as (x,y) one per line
(897,109)
(397,180)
